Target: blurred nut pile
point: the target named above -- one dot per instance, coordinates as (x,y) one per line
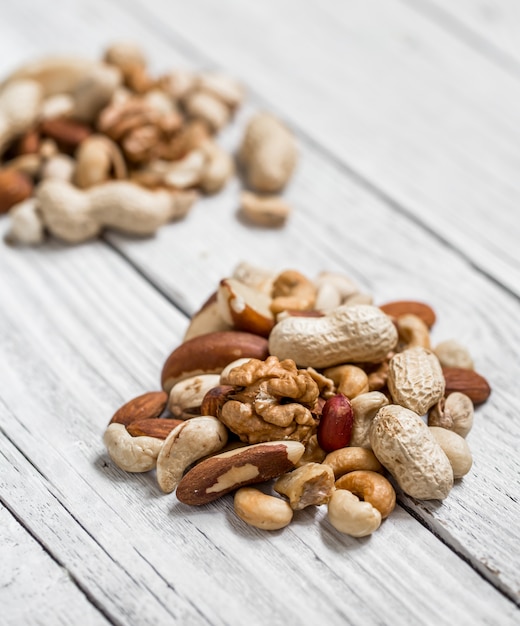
(307,389)
(88,145)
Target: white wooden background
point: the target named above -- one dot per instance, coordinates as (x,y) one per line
(407,114)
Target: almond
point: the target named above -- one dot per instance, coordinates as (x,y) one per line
(403,307)
(157,427)
(146,406)
(210,353)
(67,133)
(14,188)
(469,382)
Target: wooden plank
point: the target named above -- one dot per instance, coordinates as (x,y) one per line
(225,572)
(76,314)
(214,246)
(143,556)
(390,94)
(490,27)
(469,307)
(320,184)
(453,158)
(34,589)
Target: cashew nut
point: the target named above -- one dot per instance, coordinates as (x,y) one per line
(350,380)
(20,103)
(186,396)
(371,487)
(360,333)
(351,516)
(313,452)
(161,102)
(98,159)
(365,408)
(270,211)
(261,510)
(178,83)
(223,87)
(218,168)
(405,446)
(184,172)
(132,454)
(74,215)
(351,459)
(187,443)
(310,484)
(454,413)
(205,106)
(333,290)
(455,448)
(359,298)
(292,290)
(413,331)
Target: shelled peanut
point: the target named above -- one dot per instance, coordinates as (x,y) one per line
(308,389)
(87,145)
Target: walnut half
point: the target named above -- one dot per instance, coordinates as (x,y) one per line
(273,400)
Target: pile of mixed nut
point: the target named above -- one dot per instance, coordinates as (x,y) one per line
(92,144)
(310,390)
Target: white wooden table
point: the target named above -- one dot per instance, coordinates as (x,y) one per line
(408,120)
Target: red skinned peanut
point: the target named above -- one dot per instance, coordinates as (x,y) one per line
(335,427)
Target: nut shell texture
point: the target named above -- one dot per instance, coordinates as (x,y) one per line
(415,379)
(405,446)
(357,333)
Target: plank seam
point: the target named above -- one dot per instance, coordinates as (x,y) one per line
(172,587)
(88,595)
(465,34)
(186,47)
(479,569)
(140,272)
(83,590)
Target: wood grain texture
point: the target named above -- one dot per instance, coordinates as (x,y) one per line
(392,95)
(119,553)
(85,332)
(491,27)
(34,589)
(148,563)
